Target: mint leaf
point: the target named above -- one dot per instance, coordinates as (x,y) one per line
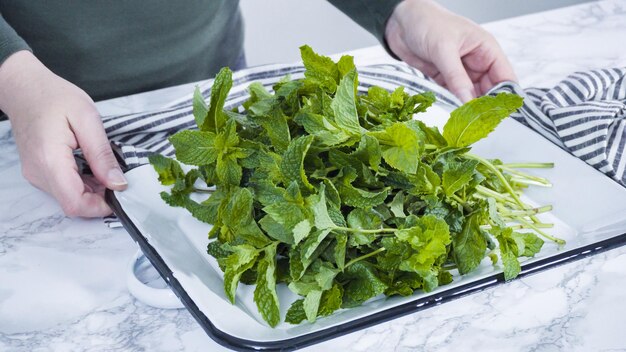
(198,211)
(311,305)
(270,116)
(469,245)
(194,147)
(417,103)
(532,243)
(215,117)
(288,211)
(321,70)
(366,220)
(251,233)
(401,147)
(363,284)
(318,205)
(494,216)
(325,275)
(331,301)
(200,109)
(339,251)
(312,242)
(296,314)
(324,130)
(257,92)
(457,175)
(396,99)
(345,65)
(301,231)
(276,230)
(368,152)
(238,209)
(395,252)
(265,295)
(397,205)
(477,118)
(168,169)
(243,258)
(292,166)
(508,253)
(433,136)
(228,169)
(344,105)
(357,197)
(218,250)
(265,192)
(429,238)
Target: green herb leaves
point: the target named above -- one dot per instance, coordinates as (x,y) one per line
(343,197)
(195,147)
(215,117)
(477,118)
(401,146)
(344,105)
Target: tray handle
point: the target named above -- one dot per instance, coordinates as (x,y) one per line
(155,297)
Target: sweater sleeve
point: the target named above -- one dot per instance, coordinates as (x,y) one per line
(369,14)
(10,41)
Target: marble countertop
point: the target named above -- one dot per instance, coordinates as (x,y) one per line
(62,280)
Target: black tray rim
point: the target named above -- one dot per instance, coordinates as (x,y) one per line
(319,336)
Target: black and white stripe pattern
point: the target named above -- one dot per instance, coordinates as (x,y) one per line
(584,114)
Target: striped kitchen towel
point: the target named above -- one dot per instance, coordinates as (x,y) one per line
(584,114)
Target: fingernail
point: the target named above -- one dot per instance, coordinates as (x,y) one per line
(466,95)
(116,177)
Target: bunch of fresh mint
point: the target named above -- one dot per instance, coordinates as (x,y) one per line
(344,197)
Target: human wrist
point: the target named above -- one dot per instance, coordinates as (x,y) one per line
(16,74)
(405,16)
(393,31)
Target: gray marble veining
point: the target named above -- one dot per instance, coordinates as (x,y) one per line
(62,281)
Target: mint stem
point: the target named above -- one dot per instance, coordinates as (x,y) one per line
(523,174)
(202,190)
(532,226)
(349,229)
(529,165)
(502,179)
(533,211)
(381,249)
(526,181)
(484,191)
(462,202)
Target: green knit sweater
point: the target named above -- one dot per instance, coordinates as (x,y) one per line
(119,47)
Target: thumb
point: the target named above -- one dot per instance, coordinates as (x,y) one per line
(94,143)
(448,61)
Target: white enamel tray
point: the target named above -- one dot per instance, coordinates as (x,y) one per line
(589,213)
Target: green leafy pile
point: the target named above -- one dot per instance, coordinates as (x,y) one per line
(344,196)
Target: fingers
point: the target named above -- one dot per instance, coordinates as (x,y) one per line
(501,70)
(488,66)
(92,139)
(64,183)
(449,63)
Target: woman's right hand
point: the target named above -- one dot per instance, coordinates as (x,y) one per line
(50,118)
